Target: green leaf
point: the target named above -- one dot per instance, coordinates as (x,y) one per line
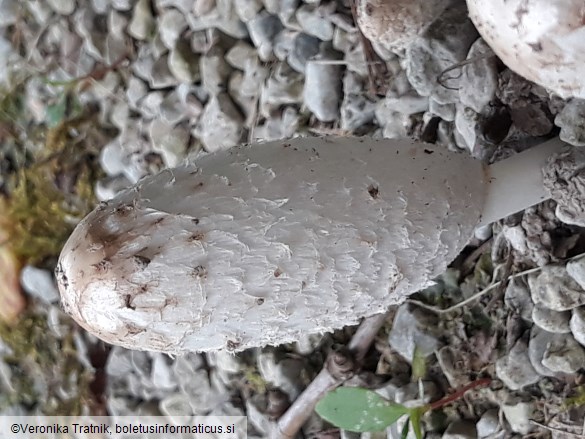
(66,107)
(405,429)
(55,113)
(415,417)
(358,409)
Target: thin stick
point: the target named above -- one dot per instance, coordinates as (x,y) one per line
(557,430)
(482,292)
(376,71)
(300,411)
(459,393)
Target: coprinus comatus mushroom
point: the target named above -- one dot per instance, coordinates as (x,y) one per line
(541,40)
(259,244)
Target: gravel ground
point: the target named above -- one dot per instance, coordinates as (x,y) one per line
(137,86)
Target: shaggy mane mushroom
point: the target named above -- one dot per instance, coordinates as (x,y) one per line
(259,244)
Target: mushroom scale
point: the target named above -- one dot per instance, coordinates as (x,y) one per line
(396,23)
(260,244)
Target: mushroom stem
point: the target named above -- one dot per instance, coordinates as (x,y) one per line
(516,183)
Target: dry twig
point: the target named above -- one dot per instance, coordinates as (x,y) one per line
(338,367)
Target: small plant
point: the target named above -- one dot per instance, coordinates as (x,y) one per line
(575,401)
(362,410)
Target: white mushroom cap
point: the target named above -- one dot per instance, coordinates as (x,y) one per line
(396,23)
(260,244)
(541,40)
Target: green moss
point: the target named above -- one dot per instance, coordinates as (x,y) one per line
(44,368)
(47,198)
(254,380)
(575,401)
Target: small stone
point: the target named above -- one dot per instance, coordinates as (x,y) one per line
(314,21)
(465,123)
(460,430)
(220,125)
(150,105)
(551,321)
(533,119)
(516,237)
(119,115)
(223,17)
(63,7)
(176,405)
(394,25)
(247,9)
(263,29)
(444,111)
(161,75)
(121,5)
(407,104)
(322,90)
(254,79)
(214,72)
(571,120)
(577,325)
(479,80)
(170,26)
(518,416)
(576,269)
(515,370)
(162,376)
(356,111)
(488,424)
(119,363)
(142,21)
(537,346)
(183,63)
(483,233)
(282,127)
(108,187)
(100,6)
(39,283)
(284,374)
(443,44)
(308,343)
(9,12)
(564,355)
(240,55)
(450,359)
(203,7)
(554,289)
(396,125)
(564,180)
(169,141)
(355,61)
(172,110)
(247,104)
(112,158)
(227,362)
(411,329)
(284,86)
(285,9)
(304,48)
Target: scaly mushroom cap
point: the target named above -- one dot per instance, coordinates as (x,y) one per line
(541,40)
(260,244)
(396,23)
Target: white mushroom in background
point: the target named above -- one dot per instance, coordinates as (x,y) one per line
(541,40)
(396,23)
(260,244)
